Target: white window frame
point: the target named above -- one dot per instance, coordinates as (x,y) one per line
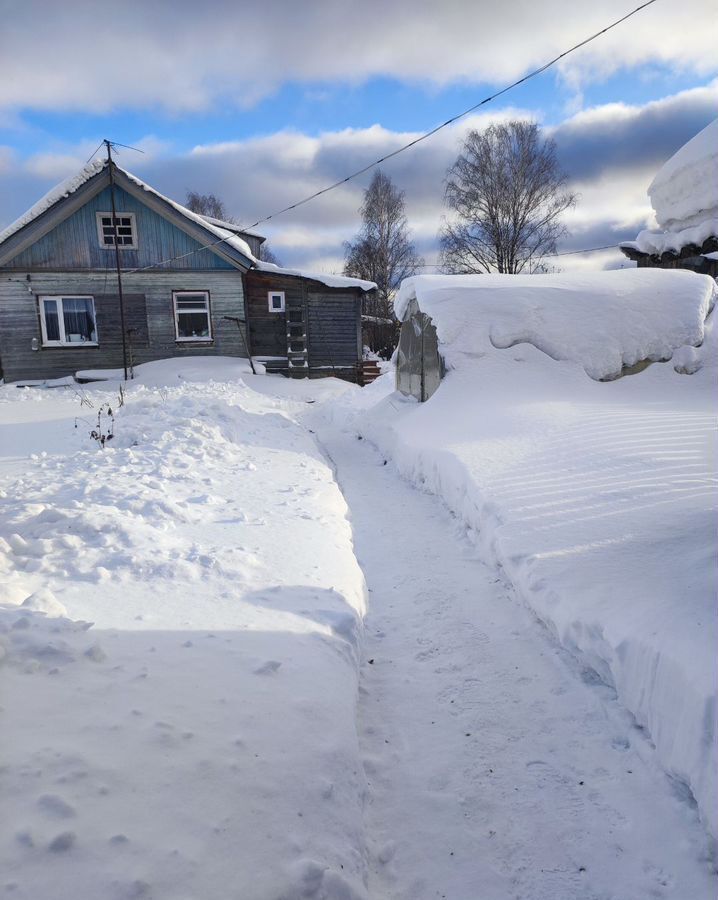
(101,235)
(275,309)
(207,339)
(63,342)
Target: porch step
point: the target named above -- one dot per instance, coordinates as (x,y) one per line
(370,371)
(276,365)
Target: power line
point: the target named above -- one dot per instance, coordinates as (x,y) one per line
(421,137)
(587,250)
(546,255)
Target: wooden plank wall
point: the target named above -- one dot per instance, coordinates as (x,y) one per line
(148,309)
(268,330)
(74,243)
(333,320)
(334,323)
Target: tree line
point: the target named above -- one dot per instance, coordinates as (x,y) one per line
(505,195)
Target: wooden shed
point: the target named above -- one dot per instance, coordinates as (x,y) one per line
(301,326)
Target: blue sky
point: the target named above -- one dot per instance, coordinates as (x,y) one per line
(319,107)
(262,105)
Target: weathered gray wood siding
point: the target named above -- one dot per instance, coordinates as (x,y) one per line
(74,243)
(254,243)
(334,328)
(333,319)
(148,309)
(268,330)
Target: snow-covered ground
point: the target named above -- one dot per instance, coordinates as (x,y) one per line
(498,766)
(198,740)
(597,500)
(235,723)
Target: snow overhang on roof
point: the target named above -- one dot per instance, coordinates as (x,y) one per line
(684,196)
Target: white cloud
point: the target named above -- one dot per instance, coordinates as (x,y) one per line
(164,54)
(8,159)
(611,152)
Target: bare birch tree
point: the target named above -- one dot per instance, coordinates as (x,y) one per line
(383,253)
(210,205)
(507,194)
(207,205)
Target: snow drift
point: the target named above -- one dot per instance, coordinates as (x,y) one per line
(596,499)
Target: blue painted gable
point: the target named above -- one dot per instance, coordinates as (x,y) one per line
(74,243)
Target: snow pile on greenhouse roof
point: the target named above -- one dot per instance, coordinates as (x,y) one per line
(603,321)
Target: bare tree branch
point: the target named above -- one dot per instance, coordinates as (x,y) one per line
(507,195)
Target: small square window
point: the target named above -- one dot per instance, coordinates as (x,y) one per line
(123,224)
(276,301)
(192,317)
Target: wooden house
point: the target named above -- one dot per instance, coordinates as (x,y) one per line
(191,286)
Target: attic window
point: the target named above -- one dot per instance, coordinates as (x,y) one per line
(126,230)
(276,301)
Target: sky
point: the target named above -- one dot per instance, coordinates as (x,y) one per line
(264,103)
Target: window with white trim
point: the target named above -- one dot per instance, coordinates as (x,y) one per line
(68,321)
(275,301)
(192,318)
(126,230)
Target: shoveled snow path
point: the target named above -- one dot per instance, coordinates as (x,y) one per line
(497,769)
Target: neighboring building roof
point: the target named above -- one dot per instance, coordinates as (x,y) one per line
(333,281)
(217,231)
(684,196)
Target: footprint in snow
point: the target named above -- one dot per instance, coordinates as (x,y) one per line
(96,653)
(268,668)
(62,842)
(55,806)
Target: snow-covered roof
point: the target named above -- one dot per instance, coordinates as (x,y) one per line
(602,321)
(231,226)
(687,185)
(75,182)
(53,196)
(225,232)
(656,243)
(684,196)
(334,281)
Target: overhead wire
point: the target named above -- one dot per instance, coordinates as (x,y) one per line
(423,137)
(543,255)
